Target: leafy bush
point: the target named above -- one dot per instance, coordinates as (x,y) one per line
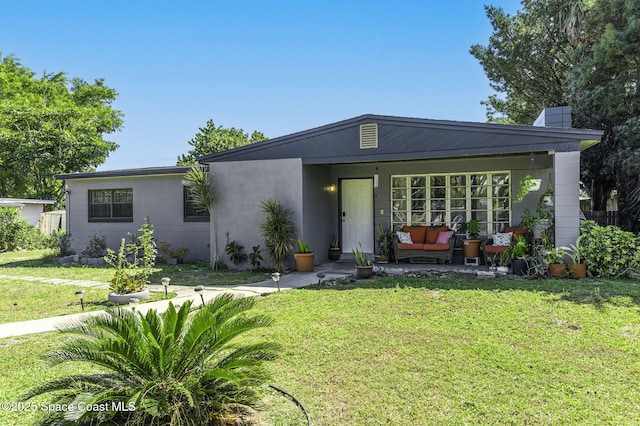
(609,251)
(16,233)
(133,262)
(97,246)
(235,251)
(62,242)
(170,368)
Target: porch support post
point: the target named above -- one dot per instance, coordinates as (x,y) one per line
(566,197)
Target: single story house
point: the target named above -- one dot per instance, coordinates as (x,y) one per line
(30,209)
(345,178)
(115,203)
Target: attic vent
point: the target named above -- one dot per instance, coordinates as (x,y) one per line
(368,135)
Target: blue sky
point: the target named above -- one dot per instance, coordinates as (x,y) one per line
(273,66)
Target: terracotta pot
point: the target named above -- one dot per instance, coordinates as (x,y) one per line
(578,270)
(471,248)
(364,271)
(557,269)
(334,253)
(304,261)
(381,259)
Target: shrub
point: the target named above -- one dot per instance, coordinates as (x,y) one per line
(97,246)
(170,368)
(277,231)
(133,262)
(62,242)
(16,233)
(609,251)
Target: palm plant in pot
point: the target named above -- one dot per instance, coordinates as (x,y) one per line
(304,257)
(471,244)
(577,268)
(364,268)
(385,239)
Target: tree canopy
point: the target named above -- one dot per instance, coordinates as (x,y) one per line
(211,139)
(582,53)
(49,125)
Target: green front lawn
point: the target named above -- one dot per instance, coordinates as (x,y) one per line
(41,263)
(426,351)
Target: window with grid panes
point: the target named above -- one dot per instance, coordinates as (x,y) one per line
(434,199)
(111,205)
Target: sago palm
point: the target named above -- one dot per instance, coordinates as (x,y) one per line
(172,368)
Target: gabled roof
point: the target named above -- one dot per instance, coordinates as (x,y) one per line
(402,138)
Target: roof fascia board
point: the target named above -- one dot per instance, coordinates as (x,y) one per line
(126,173)
(460,126)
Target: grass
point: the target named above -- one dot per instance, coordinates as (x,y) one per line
(432,351)
(419,351)
(23,300)
(42,263)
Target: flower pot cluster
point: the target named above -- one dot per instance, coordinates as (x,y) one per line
(556,257)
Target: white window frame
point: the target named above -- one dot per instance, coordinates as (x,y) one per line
(467,213)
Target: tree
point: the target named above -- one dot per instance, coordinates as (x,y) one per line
(581,53)
(50,125)
(211,139)
(528,57)
(203,189)
(169,368)
(604,91)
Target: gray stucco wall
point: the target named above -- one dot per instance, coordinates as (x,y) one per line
(241,185)
(160,197)
(317,210)
(567,197)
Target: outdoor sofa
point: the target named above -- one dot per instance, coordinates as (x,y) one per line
(426,243)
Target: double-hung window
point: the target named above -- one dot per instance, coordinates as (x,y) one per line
(192,213)
(111,205)
(432,199)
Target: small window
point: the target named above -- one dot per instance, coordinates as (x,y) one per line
(191,212)
(111,205)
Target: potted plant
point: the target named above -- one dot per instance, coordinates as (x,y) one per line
(505,259)
(304,257)
(471,244)
(527,184)
(544,217)
(577,268)
(519,251)
(364,268)
(555,259)
(334,248)
(385,239)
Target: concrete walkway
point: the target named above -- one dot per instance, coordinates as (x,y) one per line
(183,293)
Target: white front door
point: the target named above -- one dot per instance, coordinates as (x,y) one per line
(357,214)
